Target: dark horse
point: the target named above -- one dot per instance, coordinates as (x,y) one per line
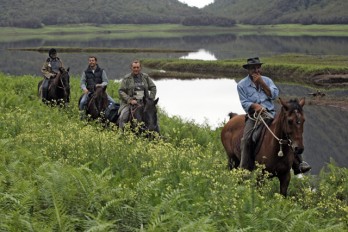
(58,88)
(97,102)
(145,115)
(280,143)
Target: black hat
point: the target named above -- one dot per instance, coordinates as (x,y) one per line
(52,51)
(252,61)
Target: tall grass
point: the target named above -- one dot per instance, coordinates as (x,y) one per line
(58,173)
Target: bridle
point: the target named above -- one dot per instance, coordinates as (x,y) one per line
(260,117)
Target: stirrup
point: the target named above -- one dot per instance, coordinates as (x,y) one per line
(304,167)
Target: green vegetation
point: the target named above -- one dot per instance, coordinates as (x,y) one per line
(92,50)
(281,11)
(226,13)
(38,13)
(62,174)
(283,68)
(130,31)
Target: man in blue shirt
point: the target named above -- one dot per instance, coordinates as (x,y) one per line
(256,93)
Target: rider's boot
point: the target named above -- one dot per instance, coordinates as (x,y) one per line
(299,165)
(246,161)
(44,89)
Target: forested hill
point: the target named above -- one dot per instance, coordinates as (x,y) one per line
(282,11)
(37,13)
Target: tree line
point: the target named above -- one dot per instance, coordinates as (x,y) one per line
(38,13)
(281,11)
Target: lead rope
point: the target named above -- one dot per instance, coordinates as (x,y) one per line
(280,141)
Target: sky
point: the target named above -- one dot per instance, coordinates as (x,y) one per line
(197,3)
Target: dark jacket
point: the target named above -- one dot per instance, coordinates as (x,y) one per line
(93,78)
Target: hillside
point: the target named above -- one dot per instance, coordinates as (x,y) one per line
(281,11)
(37,13)
(62,174)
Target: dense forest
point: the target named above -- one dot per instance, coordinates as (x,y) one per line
(37,13)
(281,11)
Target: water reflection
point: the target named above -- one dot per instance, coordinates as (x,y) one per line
(203,101)
(201,54)
(221,46)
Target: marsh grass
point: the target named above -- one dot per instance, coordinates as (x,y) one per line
(58,173)
(284,68)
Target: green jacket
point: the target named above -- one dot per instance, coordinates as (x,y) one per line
(126,90)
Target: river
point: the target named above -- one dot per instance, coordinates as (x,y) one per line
(205,102)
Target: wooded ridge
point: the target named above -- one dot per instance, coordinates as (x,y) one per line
(38,13)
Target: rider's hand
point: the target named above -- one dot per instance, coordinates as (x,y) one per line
(256,77)
(257,107)
(133,102)
(98,85)
(85,91)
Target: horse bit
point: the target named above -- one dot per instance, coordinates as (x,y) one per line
(257,117)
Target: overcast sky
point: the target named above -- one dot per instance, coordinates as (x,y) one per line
(197,3)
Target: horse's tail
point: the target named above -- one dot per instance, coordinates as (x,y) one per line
(231,115)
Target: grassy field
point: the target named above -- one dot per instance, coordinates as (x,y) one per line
(282,68)
(124,31)
(58,173)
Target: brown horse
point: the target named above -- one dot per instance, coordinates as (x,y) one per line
(97,103)
(58,88)
(282,140)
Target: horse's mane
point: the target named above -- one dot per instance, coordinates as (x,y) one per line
(294,105)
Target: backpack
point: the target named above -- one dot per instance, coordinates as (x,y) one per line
(111,112)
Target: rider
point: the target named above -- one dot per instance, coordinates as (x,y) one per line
(133,88)
(256,93)
(49,70)
(92,77)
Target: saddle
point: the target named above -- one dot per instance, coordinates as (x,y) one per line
(111,112)
(258,134)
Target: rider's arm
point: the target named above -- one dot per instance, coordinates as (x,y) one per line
(105,79)
(45,70)
(152,88)
(83,83)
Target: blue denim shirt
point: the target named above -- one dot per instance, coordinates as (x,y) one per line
(248,94)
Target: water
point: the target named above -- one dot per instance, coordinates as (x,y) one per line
(205,102)
(210,47)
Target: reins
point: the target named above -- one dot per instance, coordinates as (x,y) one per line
(133,110)
(259,117)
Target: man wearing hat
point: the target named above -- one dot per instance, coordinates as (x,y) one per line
(49,70)
(256,93)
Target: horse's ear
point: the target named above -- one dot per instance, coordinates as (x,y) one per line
(302,101)
(156,101)
(284,104)
(68,69)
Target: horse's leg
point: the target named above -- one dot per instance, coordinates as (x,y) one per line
(284,181)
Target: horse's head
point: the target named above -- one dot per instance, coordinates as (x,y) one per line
(100,98)
(64,77)
(292,117)
(150,114)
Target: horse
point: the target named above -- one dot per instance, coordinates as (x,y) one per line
(281,141)
(58,88)
(97,103)
(145,115)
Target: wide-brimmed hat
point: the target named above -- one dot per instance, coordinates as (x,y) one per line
(252,61)
(52,51)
